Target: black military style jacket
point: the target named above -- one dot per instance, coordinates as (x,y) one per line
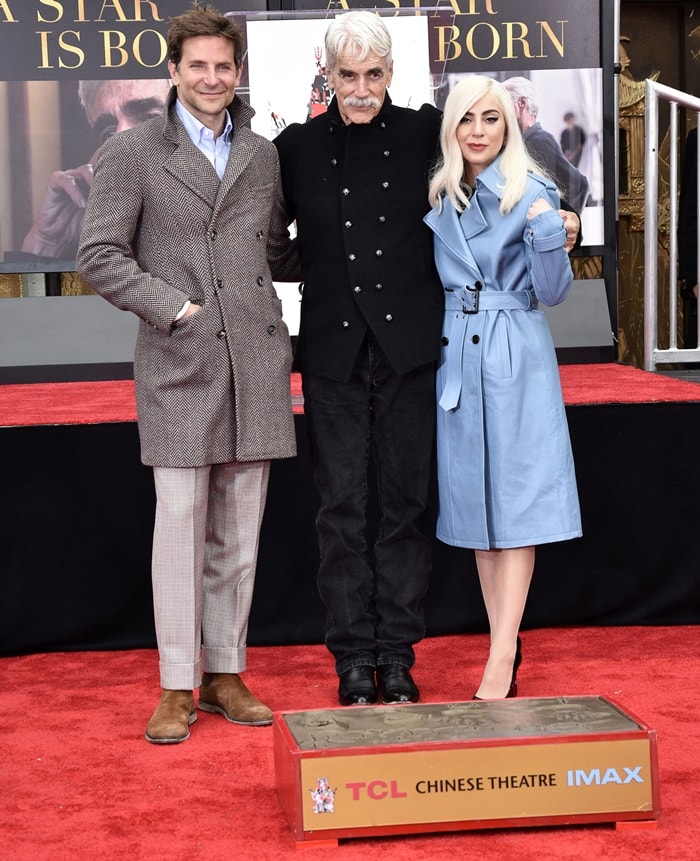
(359,194)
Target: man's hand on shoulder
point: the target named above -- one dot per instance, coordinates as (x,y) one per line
(572,223)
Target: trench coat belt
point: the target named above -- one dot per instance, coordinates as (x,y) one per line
(465,303)
(472,301)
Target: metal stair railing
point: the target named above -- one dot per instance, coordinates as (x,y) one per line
(653,354)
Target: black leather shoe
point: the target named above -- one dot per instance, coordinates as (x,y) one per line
(357,687)
(396,684)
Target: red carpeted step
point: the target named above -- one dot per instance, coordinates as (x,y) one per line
(113,401)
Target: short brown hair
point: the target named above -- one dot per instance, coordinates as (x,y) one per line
(203,20)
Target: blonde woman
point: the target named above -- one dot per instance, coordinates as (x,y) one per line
(505,468)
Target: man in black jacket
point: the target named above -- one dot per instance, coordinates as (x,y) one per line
(355,179)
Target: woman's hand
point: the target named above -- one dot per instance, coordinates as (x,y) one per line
(572,223)
(540,205)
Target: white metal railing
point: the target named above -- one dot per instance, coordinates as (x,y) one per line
(653,354)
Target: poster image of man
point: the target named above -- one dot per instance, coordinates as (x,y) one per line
(541,144)
(572,139)
(110,107)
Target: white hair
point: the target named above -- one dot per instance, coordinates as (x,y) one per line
(523,88)
(362,32)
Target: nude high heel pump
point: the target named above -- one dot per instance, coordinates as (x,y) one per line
(513,689)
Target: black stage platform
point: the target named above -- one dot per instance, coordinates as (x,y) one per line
(77,517)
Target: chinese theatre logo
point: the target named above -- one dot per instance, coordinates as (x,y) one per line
(323,797)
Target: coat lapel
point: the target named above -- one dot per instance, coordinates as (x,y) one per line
(187,164)
(243,149)
(452,230)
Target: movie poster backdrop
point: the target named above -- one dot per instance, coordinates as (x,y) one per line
(67,67)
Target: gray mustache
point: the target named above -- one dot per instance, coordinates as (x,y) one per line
(369,102)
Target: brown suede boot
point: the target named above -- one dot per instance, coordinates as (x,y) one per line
(225,694)
(170,722)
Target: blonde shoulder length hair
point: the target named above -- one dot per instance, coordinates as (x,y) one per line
(448,175)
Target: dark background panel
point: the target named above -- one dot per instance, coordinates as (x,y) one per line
(78,517)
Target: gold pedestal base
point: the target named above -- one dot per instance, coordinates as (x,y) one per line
(452,766)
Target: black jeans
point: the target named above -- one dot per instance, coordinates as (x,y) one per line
(373,597)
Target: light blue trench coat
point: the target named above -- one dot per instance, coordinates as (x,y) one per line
(505,469)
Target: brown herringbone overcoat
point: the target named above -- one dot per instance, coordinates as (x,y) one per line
(160,228)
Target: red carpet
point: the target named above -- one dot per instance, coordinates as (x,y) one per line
(78,781)
(81,403)
(620,384)
(113,401)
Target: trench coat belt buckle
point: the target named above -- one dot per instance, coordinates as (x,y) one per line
(471,301)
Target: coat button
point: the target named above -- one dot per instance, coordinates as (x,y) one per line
(334,162)
(259,234)
(378,286)
(358,289)
(445,341)
(221,334)
(382,219)
(260,280)
(378,252)
(348,224)
(385,185)
(475,339)
(352,257)
(346,325)
(271,329)
(386,153)
(346,191)
(212,233)
(388,318)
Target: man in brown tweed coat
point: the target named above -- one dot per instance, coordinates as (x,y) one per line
(186,228)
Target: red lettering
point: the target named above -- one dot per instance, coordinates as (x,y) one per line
(395,790)
(355,789)
(377,789)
